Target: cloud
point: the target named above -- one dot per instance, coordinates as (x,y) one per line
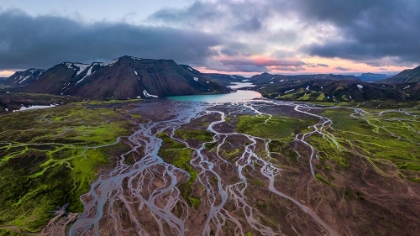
(43,41)
(367,30)
(312,65)
(259,64)
(247,15)
(341,68)
(322,65)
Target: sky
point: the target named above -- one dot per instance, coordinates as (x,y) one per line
(243,37)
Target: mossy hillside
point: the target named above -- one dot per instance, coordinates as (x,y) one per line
(179,155)
(49,158)
(276,127)
(392,137)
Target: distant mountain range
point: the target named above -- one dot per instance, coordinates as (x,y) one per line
(371,77)
(122,78)
(270,78)
(23,78)
(406,76)
(132,77)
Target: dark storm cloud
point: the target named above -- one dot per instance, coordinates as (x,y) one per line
(44,41)
(370,29)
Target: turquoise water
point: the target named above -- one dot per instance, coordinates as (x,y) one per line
(238,96)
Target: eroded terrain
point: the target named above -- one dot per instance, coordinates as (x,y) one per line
(254,168)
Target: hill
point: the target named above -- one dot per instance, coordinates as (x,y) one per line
(23,78)
(270,78)
(406,76)
(122,78)
(370,77)
(339,90)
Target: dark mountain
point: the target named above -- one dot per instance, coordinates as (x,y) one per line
(339,90)
(23,78)
(370,77)
(2,79)
(225,79)
(124,77)
(406,76)
(266,78)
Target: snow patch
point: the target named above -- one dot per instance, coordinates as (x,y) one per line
(233,77)
(360,86)
(148,95)
(23,108)
(289,91)
(137,58)
(111,63)
(24,79)
(406,87)
(135,72)
(281,81)
(39,75)
(88,73)
(307,88)
(65,86)
(81,68)
(190,69)
(196,79)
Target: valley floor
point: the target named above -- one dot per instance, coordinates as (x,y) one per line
(186,168)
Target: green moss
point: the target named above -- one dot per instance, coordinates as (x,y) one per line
(50,159)
(377,137)
(319,177)
(7,232)
(200,135)
(195,202)
(321,97)
(179,155)
(277,127)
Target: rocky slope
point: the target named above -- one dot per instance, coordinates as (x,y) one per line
(122,78)
(23,78)
(406,76)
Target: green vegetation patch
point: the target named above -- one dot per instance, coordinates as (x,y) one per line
(50,157)
(276,127)
(200,135)
(392,136)
(179,155)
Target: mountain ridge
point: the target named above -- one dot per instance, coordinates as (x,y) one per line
(122,78)
(405,76)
